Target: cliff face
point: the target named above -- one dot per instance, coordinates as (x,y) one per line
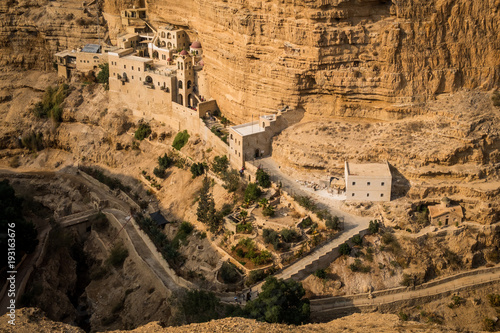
(373,58)
(31,31)
(339,57)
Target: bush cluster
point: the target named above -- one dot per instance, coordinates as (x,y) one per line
(143,131)
(180,140)
(50,106)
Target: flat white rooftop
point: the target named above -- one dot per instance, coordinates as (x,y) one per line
(248,128)
(368,169)
(136,58)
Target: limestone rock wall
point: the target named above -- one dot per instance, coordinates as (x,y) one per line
(369,58)
(339,57)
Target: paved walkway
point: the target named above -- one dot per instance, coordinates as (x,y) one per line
(142,249)
(293,188)
(352,224)
(328,306)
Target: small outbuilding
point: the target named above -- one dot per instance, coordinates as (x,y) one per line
(444,213)
(158,218)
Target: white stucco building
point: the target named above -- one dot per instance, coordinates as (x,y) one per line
(368,182)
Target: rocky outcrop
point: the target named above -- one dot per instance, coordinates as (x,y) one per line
(339,57)
(374,58)
(31,31)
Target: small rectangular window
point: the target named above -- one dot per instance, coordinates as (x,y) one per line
(353,183)
(381,195)
(353,194)
(132,67)
(382,183)
(367,194)
(125,66)
(368,183)
(132,77)
(139,69)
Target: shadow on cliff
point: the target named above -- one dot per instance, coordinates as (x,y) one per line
(400,185)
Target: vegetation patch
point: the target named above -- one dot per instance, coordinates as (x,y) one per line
(112,183)
(160,240)
(263,178)
(357,266)
(220,164)
(246,250)
(228,273)
(142,132)
(184,231)
(50,106)
(33,141)
(180,140)
(118,255)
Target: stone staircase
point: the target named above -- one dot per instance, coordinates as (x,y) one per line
(321,257)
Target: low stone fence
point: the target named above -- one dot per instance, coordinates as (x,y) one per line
(392,291)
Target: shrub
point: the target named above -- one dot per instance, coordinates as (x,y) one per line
(50,106)
(103,75)
(143,131)
(197,169)
(252,192)
(220,164)
(228,273)
(165,161)
(256,276)
(289,235)
(489,324)
(184,231)
(33,141)
(403,316)
(180,140)
(231,180)
(280,302)
(270,236)
(494,299)
(306,202)
(244,228)
(268,210)
(159,172)
(407,280)
(118,255)
(307,222)
(263,257)
(333,223)
(344,249)
(495,98)
(373,227)
(357,240)
(263,178)
(320,273)
(226,209)
(358,267)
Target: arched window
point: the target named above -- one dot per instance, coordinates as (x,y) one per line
(180,99)
(169,35)
(149,79)
(180,84)
(169,45)
(155,55)
(163,34)
(189,84)
(163,44)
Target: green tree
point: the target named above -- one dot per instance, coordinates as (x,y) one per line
(231,180)
(357,240)
(332,222)
(143,131)
(197,169)
(344,249)
(204,201)
(263,178)
(373,227)
(280,302)
(103,75)
(220,164)
(206,211)
(252,192)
